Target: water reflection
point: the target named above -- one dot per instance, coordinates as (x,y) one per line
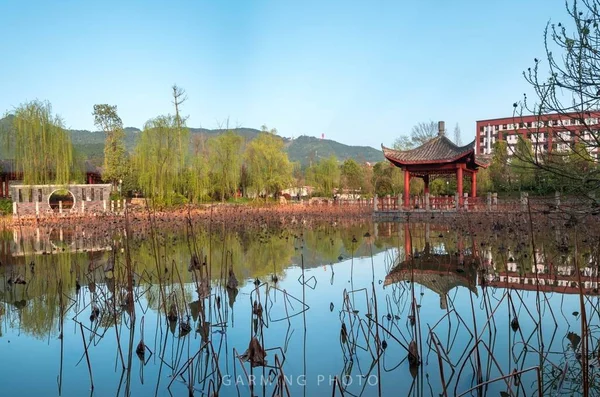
(209,309)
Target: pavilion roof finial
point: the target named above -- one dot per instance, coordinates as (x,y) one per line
(441,128)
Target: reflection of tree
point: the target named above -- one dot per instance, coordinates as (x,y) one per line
(35,307)
(37,302)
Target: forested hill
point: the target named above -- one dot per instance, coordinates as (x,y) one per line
(304,149)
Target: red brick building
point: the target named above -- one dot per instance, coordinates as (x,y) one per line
(548,132)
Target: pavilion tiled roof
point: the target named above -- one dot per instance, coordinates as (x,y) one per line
(438,272)
(437,150)
(441,282)
(90,168)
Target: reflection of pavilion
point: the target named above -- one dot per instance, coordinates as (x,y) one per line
(39,241)
(439,272)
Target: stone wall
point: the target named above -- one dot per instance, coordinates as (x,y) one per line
(31,200)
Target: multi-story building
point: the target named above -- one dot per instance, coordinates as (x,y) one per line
(548,132)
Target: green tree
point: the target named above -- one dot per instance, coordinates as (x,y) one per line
(521,167)
(264,128)
(389,179)
(43,149)
(499,169)
(324,176)
(352,175)
(116,162)
(484,181)
(268,165)
(225,161)
(160,159)
(198,174)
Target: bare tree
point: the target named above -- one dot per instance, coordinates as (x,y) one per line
(568,85)
(419,134)
(423,131)
(457,138)
(179,97)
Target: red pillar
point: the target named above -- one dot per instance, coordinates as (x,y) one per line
(474,184)
(407,242)
(426,181)
(459,183)
(406,188)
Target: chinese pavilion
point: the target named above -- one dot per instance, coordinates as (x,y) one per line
(437,157)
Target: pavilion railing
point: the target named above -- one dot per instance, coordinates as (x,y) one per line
(489,202)
(442,203)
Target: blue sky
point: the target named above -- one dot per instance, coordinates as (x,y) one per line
(361,72)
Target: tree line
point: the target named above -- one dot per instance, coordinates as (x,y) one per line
(170,168)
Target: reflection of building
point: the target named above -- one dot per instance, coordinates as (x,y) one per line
(543,277)
(438,271)
(441,271)
(38,241)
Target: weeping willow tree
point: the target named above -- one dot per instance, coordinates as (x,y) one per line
(160,159)
(198,181)
(268,165)
(226,163)
(43,149)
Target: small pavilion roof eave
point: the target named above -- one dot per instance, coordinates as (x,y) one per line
(439,149)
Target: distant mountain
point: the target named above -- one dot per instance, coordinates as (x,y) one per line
(304,149)
(307,149)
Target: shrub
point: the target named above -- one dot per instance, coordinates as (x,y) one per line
(5,206)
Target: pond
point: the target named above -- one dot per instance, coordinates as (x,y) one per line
(325,308)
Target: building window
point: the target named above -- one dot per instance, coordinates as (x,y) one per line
(504,126)
(480,129)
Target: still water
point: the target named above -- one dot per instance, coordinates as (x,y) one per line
(330,307)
